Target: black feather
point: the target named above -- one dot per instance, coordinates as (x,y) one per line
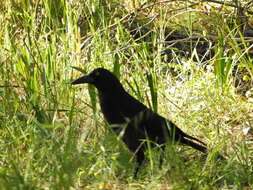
(138,121)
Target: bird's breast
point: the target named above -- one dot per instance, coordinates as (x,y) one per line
(110,108)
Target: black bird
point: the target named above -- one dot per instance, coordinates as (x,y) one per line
(133,120)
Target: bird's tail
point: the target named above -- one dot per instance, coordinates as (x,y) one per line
(194,145)
(193,138)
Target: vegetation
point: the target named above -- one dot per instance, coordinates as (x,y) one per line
(191,61)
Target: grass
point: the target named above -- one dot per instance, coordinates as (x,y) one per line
(53,136)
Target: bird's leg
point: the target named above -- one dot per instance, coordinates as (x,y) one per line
(161,156)
(139,159)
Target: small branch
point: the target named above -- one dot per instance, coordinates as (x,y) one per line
(173,42)
(10,86)
(230,5)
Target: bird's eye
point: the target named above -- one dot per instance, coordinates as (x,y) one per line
(97,73)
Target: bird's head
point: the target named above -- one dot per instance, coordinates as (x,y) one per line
(101,78)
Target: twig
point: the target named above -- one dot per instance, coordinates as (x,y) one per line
(173,42)
(124,19)
(230,5)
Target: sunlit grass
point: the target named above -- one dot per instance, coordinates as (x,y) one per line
(53,136)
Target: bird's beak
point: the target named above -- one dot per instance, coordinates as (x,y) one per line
(83,79)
